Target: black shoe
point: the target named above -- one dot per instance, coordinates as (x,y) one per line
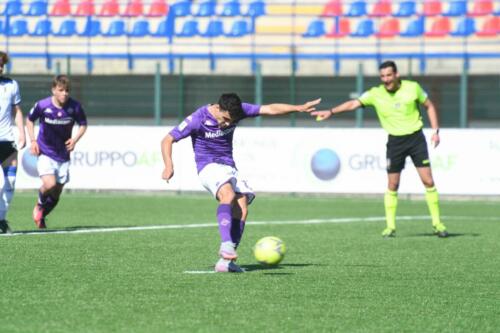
(442,234)
(4,227)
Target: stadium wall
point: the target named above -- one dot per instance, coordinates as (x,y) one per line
(129,97)
(281,160)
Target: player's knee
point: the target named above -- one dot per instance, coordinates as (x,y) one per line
(226,197)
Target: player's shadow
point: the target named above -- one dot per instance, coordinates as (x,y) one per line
(275,270)
(450,235)
(67,229)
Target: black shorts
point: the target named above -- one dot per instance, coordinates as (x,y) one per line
(399,147)
(6,149)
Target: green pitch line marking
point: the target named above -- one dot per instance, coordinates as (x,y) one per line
(213,225)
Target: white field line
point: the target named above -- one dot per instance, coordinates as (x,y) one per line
(213,224)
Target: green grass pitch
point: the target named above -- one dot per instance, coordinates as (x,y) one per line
(338,275)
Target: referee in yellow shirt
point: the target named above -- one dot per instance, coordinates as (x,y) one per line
(396,103)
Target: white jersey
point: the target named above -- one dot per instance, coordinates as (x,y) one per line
(9,96)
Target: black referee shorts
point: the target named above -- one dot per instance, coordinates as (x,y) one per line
(399,147)
(6,149)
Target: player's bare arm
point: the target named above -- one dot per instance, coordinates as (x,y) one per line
(434,121)
(351,105)
(166,153)
(279,109)
(18,119)
(30,127)
(71,142)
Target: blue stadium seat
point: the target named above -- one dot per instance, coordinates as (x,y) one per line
(18,28)
(116,29)
(182,8)
(43,28)
(315,29)
(365,28)
(256,9)
(457,8)
(165,29)
(13,8)
(406,9)
(465,28)
(37,8)
(231,8)
(92,28)
(189,29)
(206,8)
(215,28)
(67,29)
(140,29)
(357,8)
(415,28)
(240,28)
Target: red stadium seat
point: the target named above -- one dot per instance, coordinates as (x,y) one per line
(158,8)
(344,29)
(388,28)
(432,8)
(490,28)
(134,8)
(333,8)
(61,8)
(482,8)
(109,8)
(85,8)
(440,28)
(381,8)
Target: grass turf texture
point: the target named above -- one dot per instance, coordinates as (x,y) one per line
(335,277)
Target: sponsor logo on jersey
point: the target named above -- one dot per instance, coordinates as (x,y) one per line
(219,133)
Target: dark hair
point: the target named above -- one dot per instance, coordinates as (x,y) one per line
(231,103)
(388,63)
(4,57)
(61,80)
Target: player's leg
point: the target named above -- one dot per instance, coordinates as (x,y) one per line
(244,197)
(396,155)
(420,157)
(53,199)
(226,196)
(9,167)
(4,226)
(391,203)
(240,213)
(48,185)
(432,199)
(8,158)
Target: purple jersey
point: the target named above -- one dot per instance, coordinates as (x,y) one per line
(211,144)
(56,125)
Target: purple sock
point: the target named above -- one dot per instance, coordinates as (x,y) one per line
(237,229)
(42,199)
(224,220)
(50,204)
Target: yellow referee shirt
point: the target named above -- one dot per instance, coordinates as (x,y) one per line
(397,111)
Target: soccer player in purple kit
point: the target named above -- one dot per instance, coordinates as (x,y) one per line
(57,114)
(211,128)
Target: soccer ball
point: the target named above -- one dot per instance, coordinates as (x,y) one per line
(269,250)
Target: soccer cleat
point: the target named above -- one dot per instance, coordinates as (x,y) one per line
(227,266)
(440,230)
(227,251)
(41,224)
(4,227)
(388,232)
(38,217)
